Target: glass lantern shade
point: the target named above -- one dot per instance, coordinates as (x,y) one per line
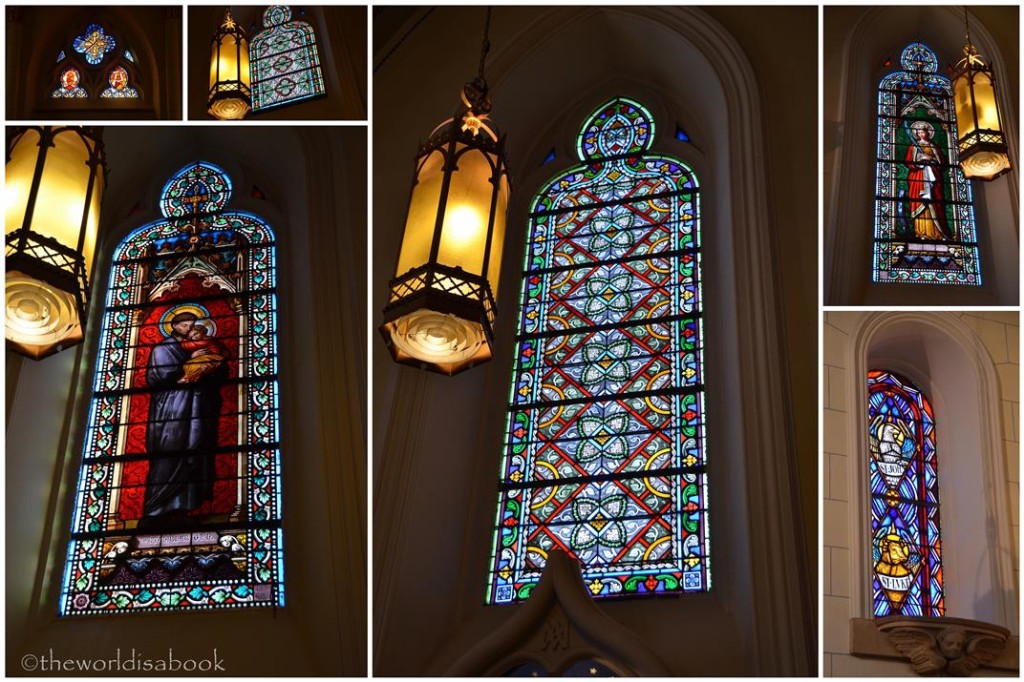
(441,308)
(981,143)
(54,186)
(229,72)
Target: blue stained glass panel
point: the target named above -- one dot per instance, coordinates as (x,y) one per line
(903,474)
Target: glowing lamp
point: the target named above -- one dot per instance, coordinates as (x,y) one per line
(229,72)
(440,310)
(54,185)
(981,143)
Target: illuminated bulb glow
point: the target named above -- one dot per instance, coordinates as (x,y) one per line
(465,224)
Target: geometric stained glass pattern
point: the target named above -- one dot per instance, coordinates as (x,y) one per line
(284,61)
(605,440)
(906,550)
(94,44)
(119,87)
(924,216)
(178,501)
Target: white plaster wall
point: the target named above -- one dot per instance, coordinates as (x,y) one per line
(978,495)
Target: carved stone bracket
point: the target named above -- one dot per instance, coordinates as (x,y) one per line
(559,625)
(955,647)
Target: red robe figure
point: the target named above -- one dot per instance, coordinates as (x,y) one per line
(927,208)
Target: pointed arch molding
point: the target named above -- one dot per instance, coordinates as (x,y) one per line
(559,625)
(935,328)
(849,204)
(771,601)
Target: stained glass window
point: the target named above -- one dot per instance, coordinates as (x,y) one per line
(604,447)
(119,87)
(70,85)
(924,216)
(94,44)
(906,551)
(178,502)
(284,61)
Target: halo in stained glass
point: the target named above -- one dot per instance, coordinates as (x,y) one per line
(924,228)
(94,44)
(171,517)
(196,189)
(919,57)
(622,126)
(903,474)
(604,454)
(275,15)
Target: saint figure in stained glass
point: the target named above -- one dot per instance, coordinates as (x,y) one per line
(924,217)
(604,452)
(178,503)
(906,552)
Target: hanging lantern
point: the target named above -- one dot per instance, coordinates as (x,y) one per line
(981,143)
(440,310)
(229,72)
(54,186)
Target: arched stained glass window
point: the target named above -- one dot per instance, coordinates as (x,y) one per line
(178,502)
(119,86)
(70,85)
(924,216)
(284,61)
(906,551)
(604,454)
(88,67)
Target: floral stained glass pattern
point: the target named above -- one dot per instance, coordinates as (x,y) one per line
(94,44)
(119,87)
(284,61)
(604,453)
(924,217)
(70,85)
(178,502)
(906,551)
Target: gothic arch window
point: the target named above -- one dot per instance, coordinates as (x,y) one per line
(95,63)
(284,61)
(178,502)
(604,455)
(906,550)
(924,216)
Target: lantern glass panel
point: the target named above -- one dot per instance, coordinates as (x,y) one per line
(466,215)
(60,203)
(422,216)
(18,186)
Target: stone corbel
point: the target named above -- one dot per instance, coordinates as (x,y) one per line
(955,647)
